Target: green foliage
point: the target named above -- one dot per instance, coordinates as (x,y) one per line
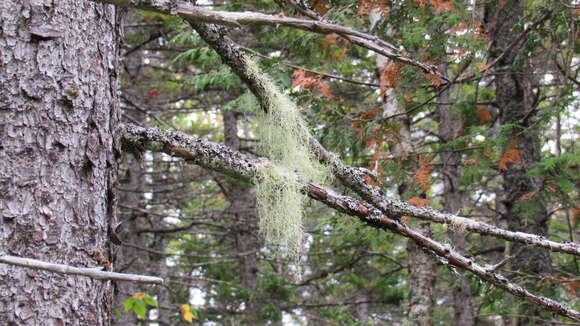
(138,304)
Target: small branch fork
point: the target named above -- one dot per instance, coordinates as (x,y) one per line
(94,273)
(222,159)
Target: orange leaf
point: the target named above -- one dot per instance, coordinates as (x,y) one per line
(441,6)
(186,313)
(139,296)
(301,80)
(369,114)
(422,174)
(389,74)
(324,88)
(479,33)
(528,196)
(483,115)
(571,288)
(482,66)
(321,6)
(330,39)
(418,201)
(420,3)
(469,162)
(365,7)
(434,79)
(511,155)
(574,216)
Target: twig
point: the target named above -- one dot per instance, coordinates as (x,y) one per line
(94,273)
(323,74)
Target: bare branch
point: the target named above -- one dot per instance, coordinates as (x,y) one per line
(83,271)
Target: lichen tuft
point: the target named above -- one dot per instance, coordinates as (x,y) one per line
(285,140)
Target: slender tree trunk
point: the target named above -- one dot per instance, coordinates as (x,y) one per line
(515,98)
(449,123)
(58,157)
(129,259)
(421,266)
(243,210)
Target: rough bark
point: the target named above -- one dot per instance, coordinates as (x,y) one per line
(515,98)
(449,123)
(58,115)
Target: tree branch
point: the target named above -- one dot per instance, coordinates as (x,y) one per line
(70,270)
(198,15)
(222,159)
(354,177)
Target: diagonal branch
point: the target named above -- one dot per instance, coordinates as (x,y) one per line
(353,177)
(222,159)
(199,15)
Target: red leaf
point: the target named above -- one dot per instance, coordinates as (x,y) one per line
(365,7)
(301,80)
(389,74)
(154,92)
(422,174)
(441,6)
(324,88)
(418,201)
(483,115)
(511,155)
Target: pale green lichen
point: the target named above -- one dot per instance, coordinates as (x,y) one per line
(284,139)
(279,204)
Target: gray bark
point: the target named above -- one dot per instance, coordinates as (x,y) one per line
(449,122)
(58,117)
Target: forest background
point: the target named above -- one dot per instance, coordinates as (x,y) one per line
(466,107)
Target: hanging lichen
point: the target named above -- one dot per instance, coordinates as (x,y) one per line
(284,139)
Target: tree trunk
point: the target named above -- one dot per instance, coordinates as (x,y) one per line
(58,151)
(515,97)
(421,266)
(129,259)
(243,209)
(449,123)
